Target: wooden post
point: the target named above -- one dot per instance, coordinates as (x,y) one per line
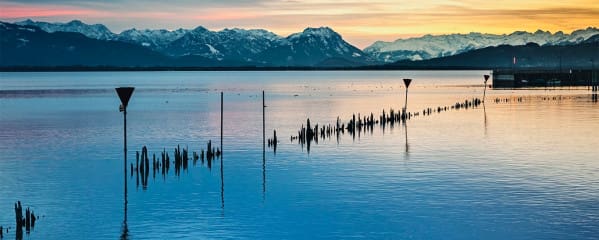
(263,146)
(263,124)
(124,94)
(222,177)
(221,123)
(406,82)
(125,149)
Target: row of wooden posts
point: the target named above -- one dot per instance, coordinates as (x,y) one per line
(363,123)
(520,99)
(162,165)
(181,156)
(304,134)
(307,134)
(26,221)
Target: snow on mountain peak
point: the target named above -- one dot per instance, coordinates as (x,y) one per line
(430,46)
(321,31)
(200,29)
(97,31)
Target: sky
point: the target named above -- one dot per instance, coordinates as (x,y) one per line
(360,22)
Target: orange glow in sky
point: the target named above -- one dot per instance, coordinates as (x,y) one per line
(359,22)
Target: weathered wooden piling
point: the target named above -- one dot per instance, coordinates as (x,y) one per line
(27,220)
(195,157)
(19,215)
(272,142)
(146,160)
(359,123)
(185,158)
(137,173)
(154,165)
(202,156)
(33,219)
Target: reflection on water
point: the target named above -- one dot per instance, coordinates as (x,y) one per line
(222,185)
(124,227)
(405,128)
(465,178)
(485,113)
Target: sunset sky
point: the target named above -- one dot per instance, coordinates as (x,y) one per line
(359,22)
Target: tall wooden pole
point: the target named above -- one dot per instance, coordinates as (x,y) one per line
(406,82)
(221,124)
(405,107)
(263,123)
(125,154)
(222,173)
(124,94)
(263,146)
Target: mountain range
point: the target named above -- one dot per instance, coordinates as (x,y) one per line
(428,46)
(33,43)
(531,55)
(255,47)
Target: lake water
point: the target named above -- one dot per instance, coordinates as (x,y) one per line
(510,170)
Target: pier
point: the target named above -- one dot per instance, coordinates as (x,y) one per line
(532,78)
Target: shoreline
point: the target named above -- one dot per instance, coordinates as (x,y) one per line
(267,69)
(224,69)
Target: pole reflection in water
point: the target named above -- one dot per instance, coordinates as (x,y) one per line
(263,174)
(405,126)
(485,113)
(263,146)
(125,228)
(222,176)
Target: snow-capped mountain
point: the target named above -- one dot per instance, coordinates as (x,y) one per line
(95,31)
(261,47)
(232,44)
(258,47)
(312,47)
(32,46)
(430,46)
(154,39)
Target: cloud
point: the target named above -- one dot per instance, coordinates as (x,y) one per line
(360,22)
(36,11)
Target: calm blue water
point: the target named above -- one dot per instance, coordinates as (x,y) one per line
(518,170)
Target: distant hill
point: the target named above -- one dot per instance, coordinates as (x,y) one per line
(429,46)
(530,55)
